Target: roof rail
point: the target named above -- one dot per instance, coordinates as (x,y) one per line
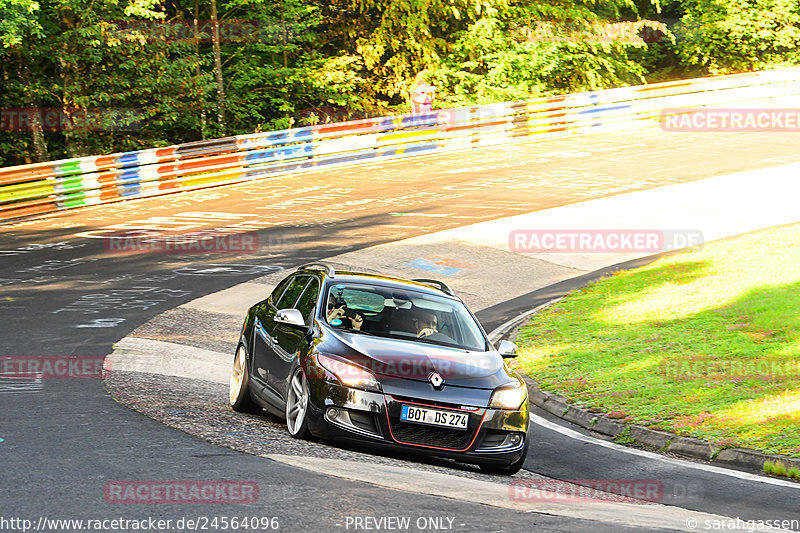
(327,267)
(436,283)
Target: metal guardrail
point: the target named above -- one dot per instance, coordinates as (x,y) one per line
(57,185)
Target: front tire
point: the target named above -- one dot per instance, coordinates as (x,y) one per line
(297,401)
(239,386)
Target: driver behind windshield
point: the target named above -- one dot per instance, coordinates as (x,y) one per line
(340,316)
(425,323)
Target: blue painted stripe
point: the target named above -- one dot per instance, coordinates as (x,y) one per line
(128,175)
(321,162)
(128,189)
(128,157)
(279,153)
(604,109)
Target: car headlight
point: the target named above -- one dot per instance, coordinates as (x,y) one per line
(510,398)
(350,375)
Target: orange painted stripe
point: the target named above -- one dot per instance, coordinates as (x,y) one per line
(26,173)
(669,84)
(22,209)
(108,193)
(229,161)
(104,162)
(166,153)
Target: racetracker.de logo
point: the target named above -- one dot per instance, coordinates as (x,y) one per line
(586,490)
(701,119)
(199,242)
(63,119)
(180,492)
(54,366)
(648,241)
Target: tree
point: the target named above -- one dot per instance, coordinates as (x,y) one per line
(725,36)
(18,23)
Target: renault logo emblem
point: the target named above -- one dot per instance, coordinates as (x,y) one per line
(436,380)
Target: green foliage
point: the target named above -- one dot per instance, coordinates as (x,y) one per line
(777,468)
(725,36)
(625,437)
(138,65)
(17,22)
(774,468)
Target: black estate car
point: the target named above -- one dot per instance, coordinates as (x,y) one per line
(382,362)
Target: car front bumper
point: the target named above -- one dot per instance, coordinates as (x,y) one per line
(493,436)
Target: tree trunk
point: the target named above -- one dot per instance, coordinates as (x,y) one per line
(199,70)
(37,132)
(76,138)
(283,37)
(218,67)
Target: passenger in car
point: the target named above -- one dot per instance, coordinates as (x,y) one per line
(337,314)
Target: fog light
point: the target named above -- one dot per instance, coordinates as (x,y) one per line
(515,439)
(333,413)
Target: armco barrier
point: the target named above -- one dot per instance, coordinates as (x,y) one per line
(52,186)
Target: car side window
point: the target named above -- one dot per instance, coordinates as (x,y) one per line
(290,295)
(279,290)
(308,301)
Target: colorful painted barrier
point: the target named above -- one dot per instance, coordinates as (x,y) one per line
(56,185)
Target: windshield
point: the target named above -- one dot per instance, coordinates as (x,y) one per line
(402,314)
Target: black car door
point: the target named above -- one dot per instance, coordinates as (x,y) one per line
(286,291)
(288,340)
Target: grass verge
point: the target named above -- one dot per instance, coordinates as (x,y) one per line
(704,344)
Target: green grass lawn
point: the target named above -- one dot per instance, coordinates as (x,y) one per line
(704,344)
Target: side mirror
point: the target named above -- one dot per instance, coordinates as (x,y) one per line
(507,349)
(290,317)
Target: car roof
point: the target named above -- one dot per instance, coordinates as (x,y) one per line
(381,280)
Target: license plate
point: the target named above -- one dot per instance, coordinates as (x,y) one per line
(434,417)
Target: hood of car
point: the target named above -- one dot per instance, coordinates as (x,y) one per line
(418,361)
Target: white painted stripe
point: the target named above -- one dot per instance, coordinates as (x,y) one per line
(409,479)
(536,419)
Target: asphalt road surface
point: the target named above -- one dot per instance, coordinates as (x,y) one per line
(63,291)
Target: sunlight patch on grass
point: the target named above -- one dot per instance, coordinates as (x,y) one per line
(756,411)
(677,292)
(670,302)
(705,343)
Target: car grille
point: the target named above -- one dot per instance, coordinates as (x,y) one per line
(435,403)
(452,439)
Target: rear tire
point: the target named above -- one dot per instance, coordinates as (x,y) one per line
(239,387)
